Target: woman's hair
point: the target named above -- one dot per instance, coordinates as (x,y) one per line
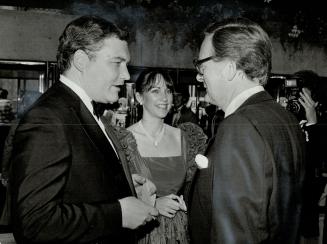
(246,43)
(149,78)
(86,33)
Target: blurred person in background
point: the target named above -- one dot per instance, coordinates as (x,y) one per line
(315,132)
(6,110)
(6,117)
(181,110)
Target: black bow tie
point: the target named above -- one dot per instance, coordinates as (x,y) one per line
(99,108)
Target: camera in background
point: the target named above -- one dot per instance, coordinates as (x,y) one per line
(291,89)
(286,90)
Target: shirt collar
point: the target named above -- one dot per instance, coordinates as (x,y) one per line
(87,101)
(79,92)
(241,98)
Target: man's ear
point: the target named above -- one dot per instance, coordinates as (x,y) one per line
(230,70)
(80,59)
(139,98)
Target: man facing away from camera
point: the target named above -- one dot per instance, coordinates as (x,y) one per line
(70,182)
(251,190)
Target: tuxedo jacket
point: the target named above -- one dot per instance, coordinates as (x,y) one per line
(66,178)
(251,192)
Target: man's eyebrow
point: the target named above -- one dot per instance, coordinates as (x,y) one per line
(118,58)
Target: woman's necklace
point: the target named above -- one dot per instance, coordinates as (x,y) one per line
(155,140)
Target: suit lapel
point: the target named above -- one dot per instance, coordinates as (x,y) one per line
(85,118)
(121,155)
(94,132)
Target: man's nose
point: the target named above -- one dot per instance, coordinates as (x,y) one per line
(125,74)
(199,77)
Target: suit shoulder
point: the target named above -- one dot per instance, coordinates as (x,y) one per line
(269,112)
(236,118)
(47,107)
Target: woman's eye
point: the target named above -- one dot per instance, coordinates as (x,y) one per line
(169,91)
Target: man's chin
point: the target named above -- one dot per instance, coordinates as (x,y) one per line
(207,98)
(112,99)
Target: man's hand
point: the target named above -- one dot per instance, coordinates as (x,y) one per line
(139,180)
(136,213)
(145,189)
(309,106)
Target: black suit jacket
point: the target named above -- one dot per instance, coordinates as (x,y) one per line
(66,178)
(251,192)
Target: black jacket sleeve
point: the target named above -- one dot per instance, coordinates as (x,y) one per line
(41,163)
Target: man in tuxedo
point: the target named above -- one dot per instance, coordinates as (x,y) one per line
(251,190)
(182,112)
(70,182)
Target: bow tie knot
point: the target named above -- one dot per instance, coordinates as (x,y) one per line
(99,108)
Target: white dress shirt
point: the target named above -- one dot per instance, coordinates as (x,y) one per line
(88,103)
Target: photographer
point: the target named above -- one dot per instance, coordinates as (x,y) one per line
(314,131)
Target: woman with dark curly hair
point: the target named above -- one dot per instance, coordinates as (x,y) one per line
(165,155)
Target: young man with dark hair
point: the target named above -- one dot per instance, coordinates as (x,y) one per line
(70,182)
